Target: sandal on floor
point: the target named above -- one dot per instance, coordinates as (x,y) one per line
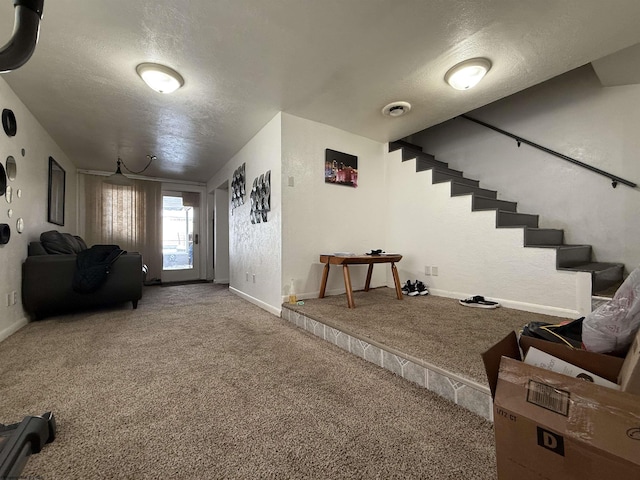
(478,302)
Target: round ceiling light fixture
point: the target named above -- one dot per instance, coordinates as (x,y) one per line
(396,109)
(160,77)
(467,74)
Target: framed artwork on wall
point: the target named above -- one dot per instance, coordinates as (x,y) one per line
(55,203)
(340,168)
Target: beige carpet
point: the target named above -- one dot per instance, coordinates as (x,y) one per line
(198,383)
(434,329)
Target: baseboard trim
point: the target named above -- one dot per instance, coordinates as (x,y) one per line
(11,329)
(525,307)
(257,302)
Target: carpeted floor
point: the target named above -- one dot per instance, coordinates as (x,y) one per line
(197,383)
(437,330)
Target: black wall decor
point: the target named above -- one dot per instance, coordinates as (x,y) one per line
(56,193)
(9,122)
(238,187)
(261,198)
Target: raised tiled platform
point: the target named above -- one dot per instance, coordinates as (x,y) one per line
(464,392)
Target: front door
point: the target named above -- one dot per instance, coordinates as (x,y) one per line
(180,236)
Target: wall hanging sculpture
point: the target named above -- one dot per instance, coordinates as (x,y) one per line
(238,187)
(340,168)
(261,198)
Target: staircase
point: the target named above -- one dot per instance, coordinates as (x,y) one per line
(576,258)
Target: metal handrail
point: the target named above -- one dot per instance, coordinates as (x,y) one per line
(614,178)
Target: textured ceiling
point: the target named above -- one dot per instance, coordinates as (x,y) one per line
(337,62)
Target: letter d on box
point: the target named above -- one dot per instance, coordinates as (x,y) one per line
(551,441)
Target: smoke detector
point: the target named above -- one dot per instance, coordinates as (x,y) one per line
(396,109)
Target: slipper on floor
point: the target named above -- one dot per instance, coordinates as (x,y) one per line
(478,302)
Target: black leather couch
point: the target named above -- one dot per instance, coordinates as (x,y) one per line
(49,269)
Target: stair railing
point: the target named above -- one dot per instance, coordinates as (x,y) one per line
(614,178)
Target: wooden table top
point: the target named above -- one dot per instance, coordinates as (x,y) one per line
(360,259)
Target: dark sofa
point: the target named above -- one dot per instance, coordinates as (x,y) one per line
(48,273)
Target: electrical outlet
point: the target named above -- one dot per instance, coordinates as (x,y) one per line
(8,299)
(254,278)
(246,274)
(427,270)
(434,271)
(291,181)
(14,295)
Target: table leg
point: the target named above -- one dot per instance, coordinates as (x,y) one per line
(347,286)
(323,284)
(396,280)
(368,282)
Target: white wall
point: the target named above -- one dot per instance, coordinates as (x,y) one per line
(221,235)
(324,218)
(572,114)
(32,180)
(255,249)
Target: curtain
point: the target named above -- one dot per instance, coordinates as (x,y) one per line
(128,216)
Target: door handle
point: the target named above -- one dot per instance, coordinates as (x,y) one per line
(196,239)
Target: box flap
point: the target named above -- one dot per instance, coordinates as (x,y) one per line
(605,366)
(507,347)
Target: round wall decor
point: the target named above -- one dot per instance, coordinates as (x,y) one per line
(5,233)
(3,180)
(11,168)
(9,122)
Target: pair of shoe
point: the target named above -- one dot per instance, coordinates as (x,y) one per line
(414,289)
(478,302)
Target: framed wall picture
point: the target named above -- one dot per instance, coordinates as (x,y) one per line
(340,168)
(56,193)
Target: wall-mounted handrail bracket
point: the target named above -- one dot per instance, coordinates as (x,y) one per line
(614,179)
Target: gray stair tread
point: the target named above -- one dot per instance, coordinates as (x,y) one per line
(404,144)
(422,166)
(445,177)
(487,203)
(471,190)
(593,267)
(564,246)
(518,213)
(482,197)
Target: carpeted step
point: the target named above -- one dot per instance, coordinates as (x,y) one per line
(440,177)
(462,189)
(543,236)
(484,203)
(512,219)
(603,275)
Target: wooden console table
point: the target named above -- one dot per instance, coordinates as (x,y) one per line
(346,260)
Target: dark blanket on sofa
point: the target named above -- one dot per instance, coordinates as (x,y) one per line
(92,267)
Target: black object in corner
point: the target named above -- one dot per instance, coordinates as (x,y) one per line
(19,440)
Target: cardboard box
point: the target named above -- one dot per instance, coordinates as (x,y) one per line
(541,359)
(555,427)
(629,378)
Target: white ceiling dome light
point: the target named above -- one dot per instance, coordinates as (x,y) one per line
(467,74)
(395,109)
(160,77)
